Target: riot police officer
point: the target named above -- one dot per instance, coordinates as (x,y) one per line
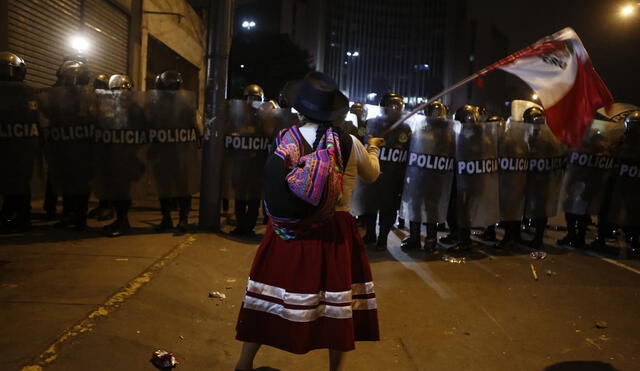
(621,205)
(588,174)
(513,159)
(247,203)
(18,143)
(174,165)
(70,107)
(380,200)
(489,234)
(546,167)
(104,210)
(119,164)
(473,201)
(429,175)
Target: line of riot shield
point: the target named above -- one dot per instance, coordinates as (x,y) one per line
(477,174)
(384,194)
(246,146)
(512,156)
(68,131)
(19,138)
(590,168)
(547,161)
(625,202)
(173,156)
(429,173)
(119,141)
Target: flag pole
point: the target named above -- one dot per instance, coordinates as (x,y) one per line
(541,47)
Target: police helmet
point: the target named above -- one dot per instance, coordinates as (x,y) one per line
(101,82)
(74,73)
(255,91)
(534,115)
(436,109)
(469,114)
(359,109)
(12,67)
(169,80)
(120,82)
(632,122)
(392,99)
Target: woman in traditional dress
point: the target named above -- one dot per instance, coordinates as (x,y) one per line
(310,285)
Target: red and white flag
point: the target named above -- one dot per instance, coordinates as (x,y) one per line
(560,72)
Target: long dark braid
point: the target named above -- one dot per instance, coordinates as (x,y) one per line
(322,128)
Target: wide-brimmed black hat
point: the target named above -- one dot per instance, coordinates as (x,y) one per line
(317,97)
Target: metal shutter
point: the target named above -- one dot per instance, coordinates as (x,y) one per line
(108,32)
(39,31)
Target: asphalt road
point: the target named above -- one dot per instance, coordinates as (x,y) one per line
(78,301)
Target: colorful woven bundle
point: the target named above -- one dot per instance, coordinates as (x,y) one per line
(315,178)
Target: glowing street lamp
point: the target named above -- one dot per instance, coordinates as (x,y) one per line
(627,10)
(248,25)
(79,43)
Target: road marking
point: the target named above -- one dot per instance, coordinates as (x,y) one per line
(112,303)
(608,260)
(419,269)
(497,323)
(616,263)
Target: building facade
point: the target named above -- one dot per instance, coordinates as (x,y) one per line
(140,38)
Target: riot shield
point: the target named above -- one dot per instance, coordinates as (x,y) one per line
(589,168)
(68,132)
(429,173)
(119,139)
(246,146)
(625,202)
(547,160)
(384,194)
(175,161)
(19,138)
(477,174)
(512,156)
(272,119)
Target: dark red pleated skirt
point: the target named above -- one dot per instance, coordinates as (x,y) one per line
(311,292)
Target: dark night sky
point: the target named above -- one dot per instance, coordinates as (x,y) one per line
(612,42)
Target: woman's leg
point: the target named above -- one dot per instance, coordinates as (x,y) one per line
(249,350)
(336,359)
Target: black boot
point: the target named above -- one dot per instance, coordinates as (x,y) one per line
(489,234)
(413,241)
(80,207)
(121,226)
(165,209)
(511,235)
(369,222)
(185,207)
(385,223)
(67,212)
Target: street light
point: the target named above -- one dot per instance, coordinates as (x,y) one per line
(79,43)
(627,10)
(248,24)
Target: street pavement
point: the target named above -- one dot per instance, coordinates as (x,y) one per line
(79,301)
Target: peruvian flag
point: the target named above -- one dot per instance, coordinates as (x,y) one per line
(560,72)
